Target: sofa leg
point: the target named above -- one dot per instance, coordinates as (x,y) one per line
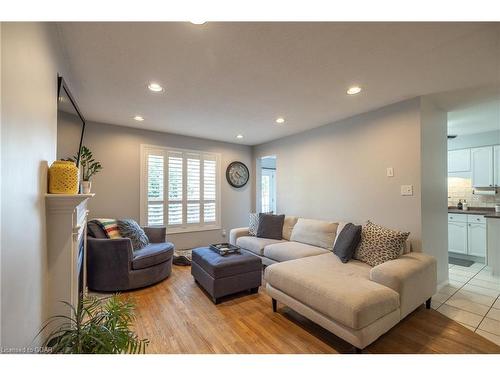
(428,303)
(275,305)
(358,350)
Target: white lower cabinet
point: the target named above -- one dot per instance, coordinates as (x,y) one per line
(476,239)
(467,234)
(457,237)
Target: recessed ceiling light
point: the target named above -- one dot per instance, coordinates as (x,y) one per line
(239,136)
(198,22)
(138,118)
(280,120)
(155,87)
(353,90)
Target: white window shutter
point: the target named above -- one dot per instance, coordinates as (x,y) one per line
(155,189)
(180,189)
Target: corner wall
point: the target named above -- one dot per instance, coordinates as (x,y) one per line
(434,171)
(338,171)
(29,64)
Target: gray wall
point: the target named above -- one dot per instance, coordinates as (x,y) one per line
(117,187)
(338,171)
(29,63)
(434,171)
(475,140)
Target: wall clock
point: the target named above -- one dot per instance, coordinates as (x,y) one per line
(237,174)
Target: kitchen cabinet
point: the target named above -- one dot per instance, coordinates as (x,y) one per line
(457,233)
(476,239)
(496,165)
(482,166)
(459,160)
(467,234)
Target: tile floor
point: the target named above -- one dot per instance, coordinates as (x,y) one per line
(472,299)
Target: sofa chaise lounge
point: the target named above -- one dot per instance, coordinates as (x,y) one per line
(353,300)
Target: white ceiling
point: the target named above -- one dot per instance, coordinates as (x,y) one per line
(224,79)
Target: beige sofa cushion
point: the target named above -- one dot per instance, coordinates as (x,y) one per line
(315,232)
(288,225)
(281,252)
(255,244)
(342,292)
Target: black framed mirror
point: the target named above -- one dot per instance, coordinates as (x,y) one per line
(70,124)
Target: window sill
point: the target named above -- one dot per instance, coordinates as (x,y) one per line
(192,229)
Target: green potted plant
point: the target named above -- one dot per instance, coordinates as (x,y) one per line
(97,326)
(89,167)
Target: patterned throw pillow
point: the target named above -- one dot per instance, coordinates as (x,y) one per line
(253,224)
(109,226)
(379,244)
(130,229)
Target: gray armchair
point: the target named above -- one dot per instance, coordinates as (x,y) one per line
(113,266)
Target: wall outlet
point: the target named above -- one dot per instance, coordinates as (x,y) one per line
(223,232)
(390,172)
(406,190)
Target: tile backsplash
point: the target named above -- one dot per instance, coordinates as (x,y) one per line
(461,188)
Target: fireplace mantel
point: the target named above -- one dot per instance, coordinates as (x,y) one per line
(66,234)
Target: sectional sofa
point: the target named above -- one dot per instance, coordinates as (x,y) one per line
(353,300)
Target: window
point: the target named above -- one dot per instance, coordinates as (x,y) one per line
(180,189)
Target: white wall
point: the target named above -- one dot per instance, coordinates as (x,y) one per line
(434,171)
(338,171)
(117,187)
(475,140)
(29,64)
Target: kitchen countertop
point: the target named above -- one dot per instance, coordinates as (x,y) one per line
(487,212)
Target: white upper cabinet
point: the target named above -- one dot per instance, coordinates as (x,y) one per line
(482,166)
(496,152)
(459,160)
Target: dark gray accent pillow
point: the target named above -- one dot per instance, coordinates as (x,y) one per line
(270,226)
(130,229)
(347,242)
(94,230)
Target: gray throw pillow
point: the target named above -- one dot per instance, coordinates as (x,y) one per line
(130,229)
(271,226)
(347,242)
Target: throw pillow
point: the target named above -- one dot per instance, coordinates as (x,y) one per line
(315,232)
(288,225)
(379,244)
(109,226)
(130,229)
(347,241)
(270,226)
(253,223)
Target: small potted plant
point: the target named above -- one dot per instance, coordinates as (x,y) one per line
(89,167)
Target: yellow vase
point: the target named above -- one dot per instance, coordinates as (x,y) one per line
(63,178)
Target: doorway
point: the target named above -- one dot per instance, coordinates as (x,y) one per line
(268,184)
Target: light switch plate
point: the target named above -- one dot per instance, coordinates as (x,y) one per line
(390,172)
(406,190)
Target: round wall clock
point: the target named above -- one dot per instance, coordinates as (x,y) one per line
(237,174)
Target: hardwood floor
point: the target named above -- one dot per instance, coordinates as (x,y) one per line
(178,317)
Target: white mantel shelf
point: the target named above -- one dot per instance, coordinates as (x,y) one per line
(65,201)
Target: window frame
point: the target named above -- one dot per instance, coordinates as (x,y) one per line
(184,227)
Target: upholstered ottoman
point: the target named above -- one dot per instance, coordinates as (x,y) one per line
(224,275)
